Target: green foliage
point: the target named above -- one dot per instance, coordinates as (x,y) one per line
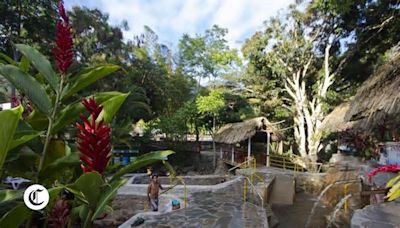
(8,125)
(210,104)
(58,162)
(29,86)
(41,63)
(394,185)
(29,22)
(208,55)
(87,77)
(16,216)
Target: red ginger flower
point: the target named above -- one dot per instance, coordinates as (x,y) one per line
(385,168)
(94,139)
(59,215)
(63,52)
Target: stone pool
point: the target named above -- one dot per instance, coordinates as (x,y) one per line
(219,205)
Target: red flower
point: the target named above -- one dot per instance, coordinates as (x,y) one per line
(94,139)
(59,215)
(63,52)
(385,168)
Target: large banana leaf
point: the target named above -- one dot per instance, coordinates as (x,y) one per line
(87,78)
(41,63)
(29,86)
(8,124)
(71,112)
(142,161)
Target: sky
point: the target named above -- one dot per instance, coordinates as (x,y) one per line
(172,18)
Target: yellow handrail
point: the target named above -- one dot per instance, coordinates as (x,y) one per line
(252,164)
(346,189)
(286,164)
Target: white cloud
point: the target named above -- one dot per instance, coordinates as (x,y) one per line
(171,18)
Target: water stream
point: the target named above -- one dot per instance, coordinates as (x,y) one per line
(322,194)
(337,209)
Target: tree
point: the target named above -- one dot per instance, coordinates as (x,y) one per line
(301,71)
(208,55)
(211,105)
(29,22)
(368,29)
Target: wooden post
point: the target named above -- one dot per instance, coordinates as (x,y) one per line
(248,151)
(220,151)
(233,154)
(268,139)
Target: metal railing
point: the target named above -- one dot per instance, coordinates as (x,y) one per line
(251,163)
(287,163)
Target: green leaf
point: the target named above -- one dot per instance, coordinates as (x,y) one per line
(71,112)
(107,196)
(7,59)
(29,86)
(9,199)
(7,194)
(38,120)
(22,163)
(142,161)
(111,107)
(170,169)
(88,187)
(394,192)
(41,63)
(8,124)
(87,78)
(57,149)
(22,137)
(16,217)
(392,181)
(24,64)
(53,169)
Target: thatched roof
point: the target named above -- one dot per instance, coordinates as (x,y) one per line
(334,121)
(377,99)
(237,132)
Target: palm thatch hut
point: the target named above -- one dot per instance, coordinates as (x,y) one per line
(376,100)
(259,129)
(335,121)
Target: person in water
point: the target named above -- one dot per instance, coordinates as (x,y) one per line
(152,192)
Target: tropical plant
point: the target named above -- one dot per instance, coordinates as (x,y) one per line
(35,148)
(393,184)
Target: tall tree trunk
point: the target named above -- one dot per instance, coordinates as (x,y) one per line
(308,115)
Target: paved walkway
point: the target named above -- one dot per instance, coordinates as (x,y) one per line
(223,208)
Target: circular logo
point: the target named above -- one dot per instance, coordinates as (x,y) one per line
(36,197)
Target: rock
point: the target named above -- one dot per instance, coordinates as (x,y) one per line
(384,215)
